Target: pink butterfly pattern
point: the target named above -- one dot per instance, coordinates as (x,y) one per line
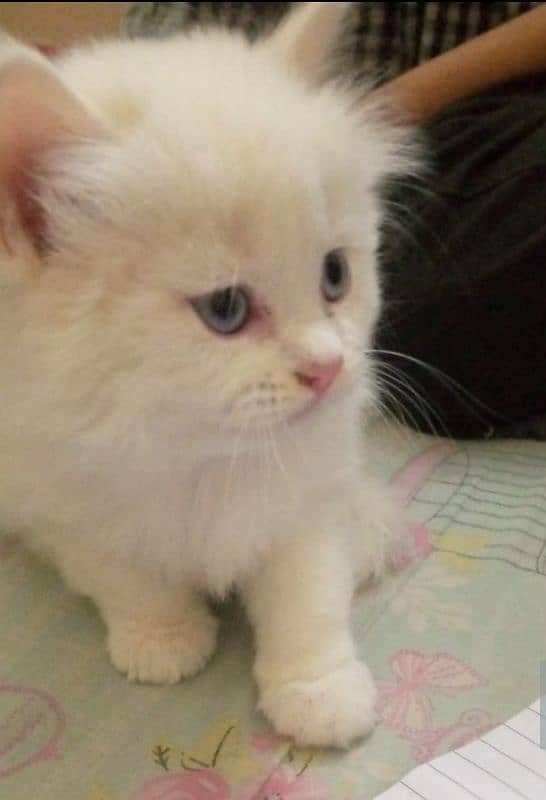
(470,725)
(405,705)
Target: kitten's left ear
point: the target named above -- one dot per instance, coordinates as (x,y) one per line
(306,40)
(37,113)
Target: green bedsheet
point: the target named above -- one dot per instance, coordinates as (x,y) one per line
(455,640)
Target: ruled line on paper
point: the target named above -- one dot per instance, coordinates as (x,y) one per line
(505,764)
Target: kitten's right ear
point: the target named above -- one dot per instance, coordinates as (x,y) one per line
(37,113)
(307,38)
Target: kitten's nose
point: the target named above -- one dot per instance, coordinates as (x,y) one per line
(319,376)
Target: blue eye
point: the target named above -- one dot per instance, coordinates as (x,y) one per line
(225,311)
(336,276)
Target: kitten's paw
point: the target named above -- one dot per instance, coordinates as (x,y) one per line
(330,711)
(162,654)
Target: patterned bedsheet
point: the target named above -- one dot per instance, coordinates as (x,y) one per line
(455,640)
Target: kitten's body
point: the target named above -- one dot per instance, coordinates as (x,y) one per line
(152,460)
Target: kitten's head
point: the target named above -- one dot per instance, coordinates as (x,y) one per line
(202,223)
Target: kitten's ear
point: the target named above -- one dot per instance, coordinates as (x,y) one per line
(37,113)
(306,40)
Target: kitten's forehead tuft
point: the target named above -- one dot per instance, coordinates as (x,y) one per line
(235,171)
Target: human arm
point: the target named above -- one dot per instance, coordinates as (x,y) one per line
(61,23)
(515,48)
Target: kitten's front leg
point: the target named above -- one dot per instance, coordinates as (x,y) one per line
(157,633)
(381,541)
(311,685)
(168,642)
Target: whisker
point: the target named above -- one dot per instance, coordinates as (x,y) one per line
(264,461)
(402,411)
(233,460)
(448,382)
(427,411)
(392,424)
(397,223)
(275,450)
(280,463)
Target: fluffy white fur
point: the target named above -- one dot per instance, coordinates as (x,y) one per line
(153,461)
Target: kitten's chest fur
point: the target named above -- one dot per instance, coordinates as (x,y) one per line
(207,523)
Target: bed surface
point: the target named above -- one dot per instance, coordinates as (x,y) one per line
(455,641)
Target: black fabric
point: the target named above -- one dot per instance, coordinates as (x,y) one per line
(465,273)
(382,39)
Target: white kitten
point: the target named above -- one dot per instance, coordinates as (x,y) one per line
(182,363)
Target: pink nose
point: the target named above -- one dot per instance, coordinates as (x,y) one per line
(319,377)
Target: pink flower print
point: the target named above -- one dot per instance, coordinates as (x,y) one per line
(265,742)
(422,542)
(471,725)
(409,480)
(188,785)
(407,483)
(419,547)
(31,726)
(284,784)
(404,704)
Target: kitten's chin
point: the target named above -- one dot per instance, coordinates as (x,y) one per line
(254,426)
(319,406)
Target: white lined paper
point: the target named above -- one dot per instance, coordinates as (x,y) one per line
(505,764)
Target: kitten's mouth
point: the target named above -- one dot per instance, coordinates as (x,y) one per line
(315,401)
(305,409)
